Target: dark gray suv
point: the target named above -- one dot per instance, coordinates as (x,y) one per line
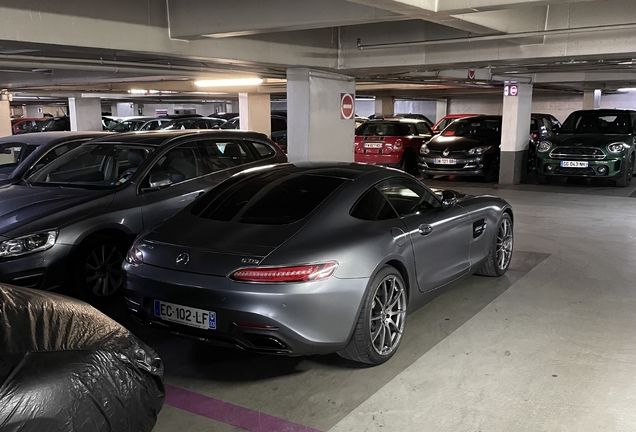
(72,221)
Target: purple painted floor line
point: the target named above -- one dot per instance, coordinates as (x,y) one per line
(233,415)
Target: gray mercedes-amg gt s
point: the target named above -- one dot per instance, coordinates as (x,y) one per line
(313,258)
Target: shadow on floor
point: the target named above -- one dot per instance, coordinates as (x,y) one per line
(318,391)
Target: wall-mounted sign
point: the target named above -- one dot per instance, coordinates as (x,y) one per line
(161,112)
(471,74)
(511,90)
(347,106)
(40,111)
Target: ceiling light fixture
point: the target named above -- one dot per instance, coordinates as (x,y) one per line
(627,89)
(229,82)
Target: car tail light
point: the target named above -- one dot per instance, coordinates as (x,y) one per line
(135,257)
(302,273)
(449,133)
(398,144)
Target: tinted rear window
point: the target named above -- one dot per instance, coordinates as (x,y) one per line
(273,198)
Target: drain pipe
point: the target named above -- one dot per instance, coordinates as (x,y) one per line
(497,37)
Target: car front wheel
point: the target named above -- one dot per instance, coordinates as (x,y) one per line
(378,331)
(97,270)
(626,178)
(500,253)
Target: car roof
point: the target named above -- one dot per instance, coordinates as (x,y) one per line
(608,110)
(457,116)
(161,137)
(41,138)
(346,170)
(396,120)
(483,117)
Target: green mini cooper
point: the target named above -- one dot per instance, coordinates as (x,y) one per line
(594,143)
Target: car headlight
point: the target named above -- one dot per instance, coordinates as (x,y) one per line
(28,244)
(618,147)
(424,149)
(544,146)
(479,150)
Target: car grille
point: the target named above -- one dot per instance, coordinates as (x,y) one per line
(575,171)
(453,152)
(577,153)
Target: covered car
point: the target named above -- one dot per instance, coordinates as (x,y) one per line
(66,367)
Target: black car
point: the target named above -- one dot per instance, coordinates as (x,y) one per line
(542,127)
(57,124)
(70,222)
(467,147)
(224,115)
(21,155)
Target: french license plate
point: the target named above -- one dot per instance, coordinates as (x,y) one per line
(574,164)
(442,161)
(373,145)
(185,315)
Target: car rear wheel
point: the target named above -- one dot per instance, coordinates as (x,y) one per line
(500,253)
(378,331)
(628,173)
(97,269)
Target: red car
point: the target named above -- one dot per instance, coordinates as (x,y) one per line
(24,125)
(445,121)
(391,142)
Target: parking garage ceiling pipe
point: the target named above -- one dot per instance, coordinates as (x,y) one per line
(112,65)
(504,36)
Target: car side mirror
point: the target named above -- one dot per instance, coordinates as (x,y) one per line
(449,199)
(159,180)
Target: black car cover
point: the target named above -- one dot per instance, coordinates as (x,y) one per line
(66,367)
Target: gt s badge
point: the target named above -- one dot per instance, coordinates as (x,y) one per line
(250,261)
(479,228)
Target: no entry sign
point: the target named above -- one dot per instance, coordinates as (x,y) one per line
(347,106)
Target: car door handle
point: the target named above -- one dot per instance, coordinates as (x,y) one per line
(425,229)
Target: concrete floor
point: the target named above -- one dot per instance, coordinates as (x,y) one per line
(551,346)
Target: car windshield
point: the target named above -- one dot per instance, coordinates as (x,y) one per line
(183,124)
(271,198)
(384,129)
(589,122)
(473,127)
(11,155)
(97,166)
(443,123)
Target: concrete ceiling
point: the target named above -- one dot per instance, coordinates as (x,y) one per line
(419,48)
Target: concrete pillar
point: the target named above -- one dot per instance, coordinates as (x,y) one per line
(591,99)
(515,134)
(5,116)
(255,112)
(85,114)
(384,106)
(34,111)
(316,130)
(441,109)
(114,109)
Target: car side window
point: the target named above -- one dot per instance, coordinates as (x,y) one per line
(222,154)
(278,125)
(263,150)
(634,122)
(373,206)
(423,129)
(408,196)
(180,163)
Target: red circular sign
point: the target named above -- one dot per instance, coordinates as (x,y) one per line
(514,90)
(347,106)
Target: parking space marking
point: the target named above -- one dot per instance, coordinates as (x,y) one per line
(233,415)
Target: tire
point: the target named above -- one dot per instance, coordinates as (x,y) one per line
(409,163)
(96,269)
(364,346)
(493,172)
(541,179)
(626,178)
(500,253)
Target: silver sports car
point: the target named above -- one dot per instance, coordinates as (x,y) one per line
(313,259)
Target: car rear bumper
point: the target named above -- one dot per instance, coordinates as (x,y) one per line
(42,270)
(613,168)
(289,319)
(391,159)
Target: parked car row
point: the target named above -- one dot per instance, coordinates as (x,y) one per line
(232,236)
(592,144)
